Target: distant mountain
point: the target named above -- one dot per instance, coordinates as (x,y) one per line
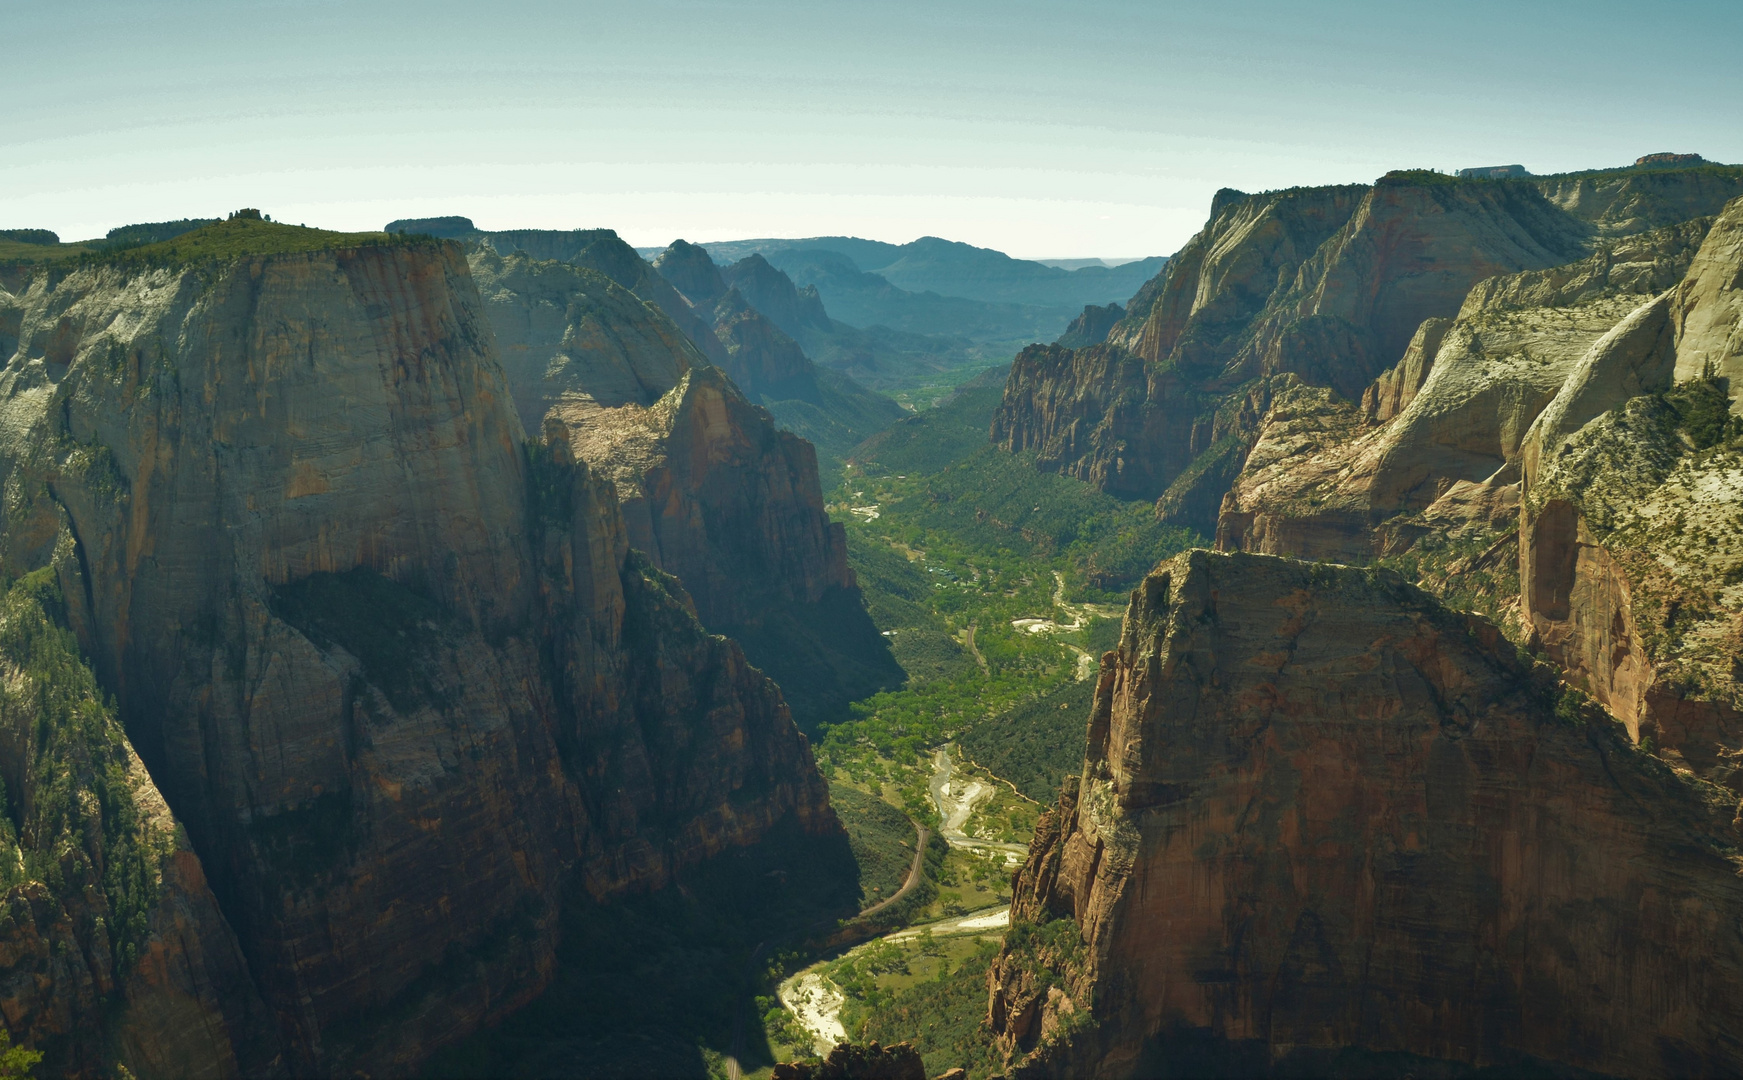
(952,268)
(861,298)
(826,407)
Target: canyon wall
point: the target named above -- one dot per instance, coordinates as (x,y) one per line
(397,671)
(1330,286)
(1328,826)
(713,491)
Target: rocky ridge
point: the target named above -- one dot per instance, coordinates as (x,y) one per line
(400,676)
(1327,285)
(1459,862)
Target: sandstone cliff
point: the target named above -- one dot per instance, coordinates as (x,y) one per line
(1329,285)
(718,496)
(1428,470)
(1326,825)
(714,492)
(571,337)
(112,948)
(400,677)
(761,356)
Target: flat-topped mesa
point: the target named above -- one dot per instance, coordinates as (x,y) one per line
(1326,824)
(400,676)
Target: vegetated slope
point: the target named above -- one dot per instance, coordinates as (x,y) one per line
(882,838)
(116,953)
(947,575)
(1236,805)
(1325,285)
(937,471)
(380,654)
(1038,744)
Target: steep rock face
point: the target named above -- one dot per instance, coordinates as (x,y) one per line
(570,336)
(760,357)
(1438,446)
(1323,819)
(692,272)
(398,679)
(1622,201)
(601,250)
(113,948)
(715,494)
(1709,305)
(1092,327)
(1629,548)
(763,358)
(1332,285)
(796,311)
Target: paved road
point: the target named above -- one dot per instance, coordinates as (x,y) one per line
(922,835)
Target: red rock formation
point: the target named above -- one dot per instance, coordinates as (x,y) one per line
(399,680)
(1324,820)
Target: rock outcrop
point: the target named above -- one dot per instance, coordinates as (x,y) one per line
(1430,467)
(1628,541)
(1092,327)
(718,496)
(400,675)
(1333,286)
(1326,825)
(570,337)
(712,490)
(763,358)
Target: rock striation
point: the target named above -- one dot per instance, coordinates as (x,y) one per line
(1331,286)
(1326,825)
(397,671)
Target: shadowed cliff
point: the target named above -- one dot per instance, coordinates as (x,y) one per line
(396,670)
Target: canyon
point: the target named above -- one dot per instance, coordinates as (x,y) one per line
(1459,791)
(414,641)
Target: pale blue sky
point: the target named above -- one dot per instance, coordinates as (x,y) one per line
(1041,129)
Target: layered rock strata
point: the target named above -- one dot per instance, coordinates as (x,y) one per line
(1438,448)
(400,677)
(1329,285)
(1327,825)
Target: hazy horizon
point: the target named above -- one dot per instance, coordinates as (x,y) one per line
(1098,130)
